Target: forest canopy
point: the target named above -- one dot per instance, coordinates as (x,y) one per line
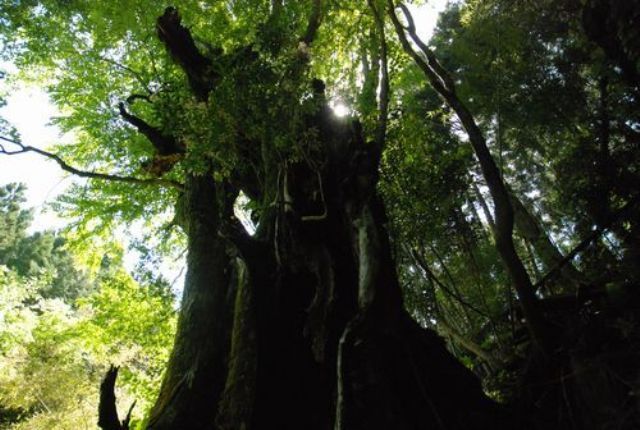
(456,247)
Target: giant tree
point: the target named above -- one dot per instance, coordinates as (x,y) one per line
(301,324)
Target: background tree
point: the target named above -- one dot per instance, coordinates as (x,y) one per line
(54,347)
(533,80)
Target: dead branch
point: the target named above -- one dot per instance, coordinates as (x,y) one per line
(107,410)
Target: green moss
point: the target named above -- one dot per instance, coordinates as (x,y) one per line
(236,405)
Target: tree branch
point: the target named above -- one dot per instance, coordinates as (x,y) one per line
(314,23)
(133,97)
(468,344)
(165,145)
(182,48)
(442,84)
(400,30)
(137,75)
(381,130)
(82,173)
(433,62)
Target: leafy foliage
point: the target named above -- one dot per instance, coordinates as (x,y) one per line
(58,333)
(555,100)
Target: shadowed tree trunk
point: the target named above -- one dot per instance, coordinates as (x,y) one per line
(196,372)
(302,325)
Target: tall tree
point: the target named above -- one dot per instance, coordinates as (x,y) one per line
(37,254)
(301,324)
(442,82)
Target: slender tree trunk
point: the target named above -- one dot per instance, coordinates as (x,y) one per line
(504,223)
(530,229)
(444,85)
(486,232)
(484,206)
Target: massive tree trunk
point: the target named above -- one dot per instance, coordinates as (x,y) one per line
(324,339)
(319,338)
(302,325)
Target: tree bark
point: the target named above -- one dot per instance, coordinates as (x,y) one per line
(196,372)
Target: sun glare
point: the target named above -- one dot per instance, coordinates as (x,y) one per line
(340,110)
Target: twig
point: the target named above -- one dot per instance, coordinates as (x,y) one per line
(137,75)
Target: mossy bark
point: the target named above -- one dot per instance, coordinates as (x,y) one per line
(196,371)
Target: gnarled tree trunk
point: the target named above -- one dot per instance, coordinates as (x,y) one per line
(324,339)
(315,335)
